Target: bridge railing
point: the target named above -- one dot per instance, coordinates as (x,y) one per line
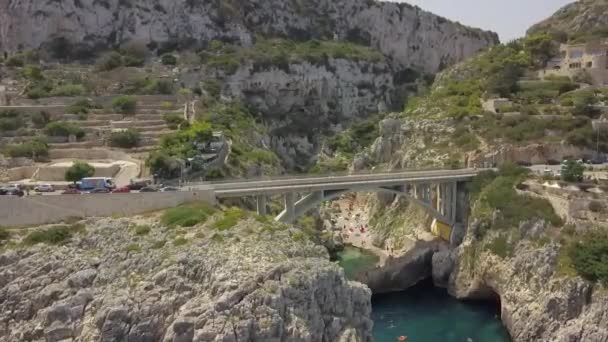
(327,175)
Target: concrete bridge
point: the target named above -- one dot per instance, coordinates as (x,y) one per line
(441,192)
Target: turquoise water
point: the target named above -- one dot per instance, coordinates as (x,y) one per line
(425,313)
(428,314)
(354,260)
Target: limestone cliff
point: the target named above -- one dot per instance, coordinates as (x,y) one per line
(114,281)
(580,19)
(307,101)
(408,35)
(538,301)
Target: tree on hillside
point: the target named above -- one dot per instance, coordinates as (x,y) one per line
(572,171)
(78,171)
(504,81)
(541,47)
(163,166)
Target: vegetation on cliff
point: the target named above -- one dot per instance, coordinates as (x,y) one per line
(279,53)
(550,110)
(495,199)
(579,21)
(226,269)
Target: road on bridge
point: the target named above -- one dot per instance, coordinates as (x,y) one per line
(277,185)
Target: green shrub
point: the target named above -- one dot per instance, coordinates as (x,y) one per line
(213,87)
(69,90)
(41,119)
(496,192)
(109,61)
(298,236)
(187,215)
(163,165)
(125,139)
(180,241)
(125,104)
(15,61)
(34,149)
(465,140)
(589,256)
(158,244)
(572,171)
(78,171)
(174,120)
(168,59)
(132,61)
(142,230)
(37,92)
(167,105)
(133,248)
(500,246)
(8,122)
(54,236)
(231,217)
(4,234)
(32,72)
(80,106)
(63,129)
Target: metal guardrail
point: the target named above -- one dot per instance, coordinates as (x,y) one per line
(317,180)
(325,175)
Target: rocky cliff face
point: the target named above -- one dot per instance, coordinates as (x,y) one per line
(306,101)
(583,18)
(537,303)
(408,35)
(254,282)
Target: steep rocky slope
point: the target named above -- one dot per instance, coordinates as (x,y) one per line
(308,101)
(538,302)
(579,20)
(140,280)
(408,35)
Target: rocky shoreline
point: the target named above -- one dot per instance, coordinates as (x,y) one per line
(113,282)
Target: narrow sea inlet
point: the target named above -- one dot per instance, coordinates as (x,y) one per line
(425,313)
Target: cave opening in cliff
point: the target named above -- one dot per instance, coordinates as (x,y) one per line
(425,312)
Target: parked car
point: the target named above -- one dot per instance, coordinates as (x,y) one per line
(124,189)
(138,184)
(524,163)
(14,190)
(169,188)
(148,189)
(596,161)
(71,192)
(100,191)
(44,188)
(553,162)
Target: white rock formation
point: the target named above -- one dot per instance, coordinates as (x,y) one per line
(255,282)
(410,36)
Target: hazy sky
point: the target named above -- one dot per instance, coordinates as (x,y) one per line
(509,18)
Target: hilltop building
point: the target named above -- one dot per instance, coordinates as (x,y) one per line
(575,59)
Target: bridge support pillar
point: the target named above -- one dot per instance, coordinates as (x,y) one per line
(453,202)
(261,205)
(289,213)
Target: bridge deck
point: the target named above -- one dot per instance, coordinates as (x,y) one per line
(355,182)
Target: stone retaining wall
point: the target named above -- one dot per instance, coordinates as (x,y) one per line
(34,210)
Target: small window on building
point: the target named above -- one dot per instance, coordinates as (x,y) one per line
(557,67)
(574,65)
(589,64)
(576,54)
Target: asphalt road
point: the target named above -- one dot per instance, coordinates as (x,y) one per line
(540,168)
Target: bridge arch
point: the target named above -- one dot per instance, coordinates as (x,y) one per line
(440,192)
